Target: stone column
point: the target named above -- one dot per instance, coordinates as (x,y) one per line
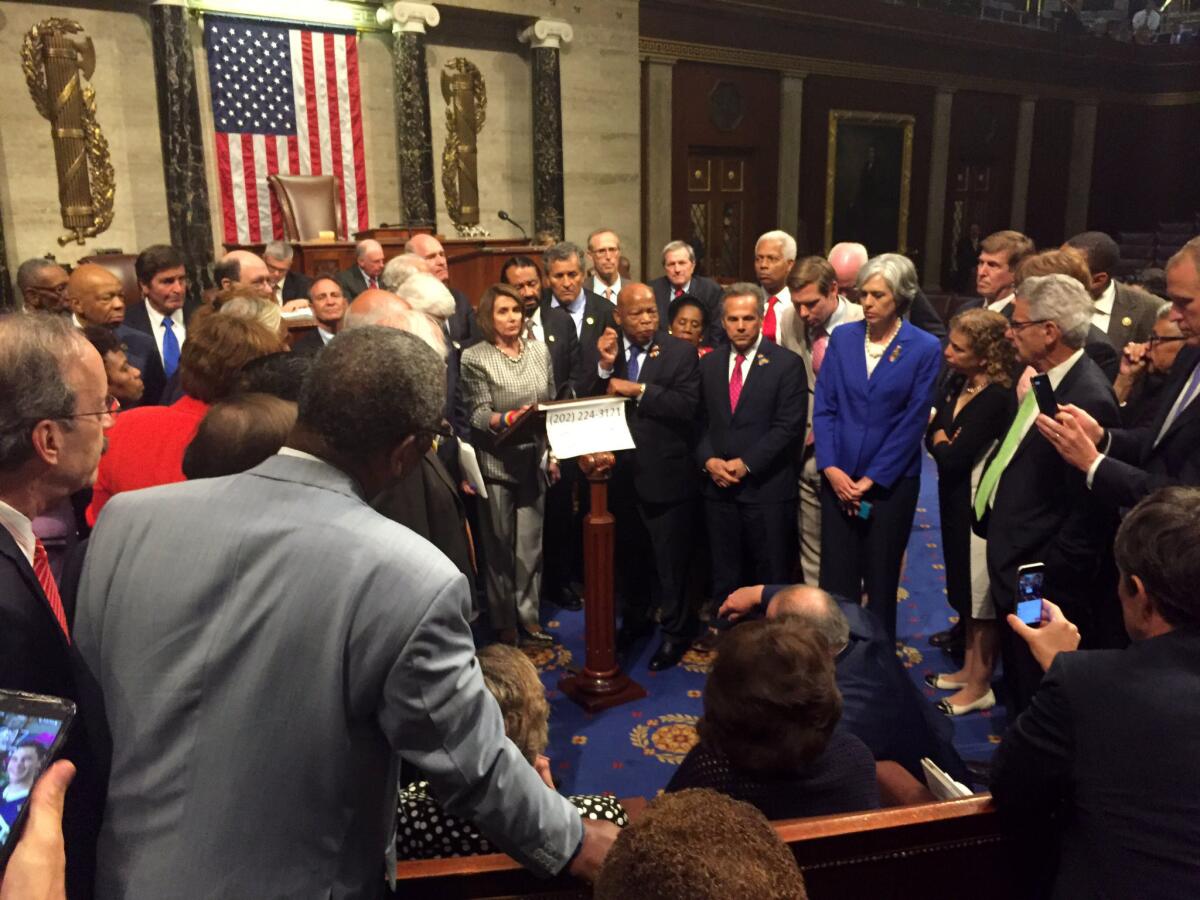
(188,214)
(935,221)
(545,37)
(657,176)
(414,143)
(791,108)
(1024,155)
(1079,176)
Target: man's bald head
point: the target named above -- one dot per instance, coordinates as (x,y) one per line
(431,250)
(378,307)
(815,608)
(241,268)
(95,295)
(847,259)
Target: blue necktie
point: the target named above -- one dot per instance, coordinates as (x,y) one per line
(170,347)
(634,353)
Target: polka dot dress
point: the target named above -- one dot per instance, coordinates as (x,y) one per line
(425,831)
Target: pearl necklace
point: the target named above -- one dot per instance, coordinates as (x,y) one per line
(875,351)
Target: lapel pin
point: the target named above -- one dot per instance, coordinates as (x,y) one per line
(761,360)
(591,321)
(1127,321)
(895,354)
(653,351)
(550,338)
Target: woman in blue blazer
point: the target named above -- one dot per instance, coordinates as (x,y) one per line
(870,411)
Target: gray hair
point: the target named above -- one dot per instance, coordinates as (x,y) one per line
(1062,300)
(788,242)
(1164,312)
(392,312)
(255,309)
(745,289)
(898,273)
(361,248)
(280,250)
(561,252)
(425,293)
(827,619)
(672,246)
(397,270)
(35,351)
(342,400)
(603,231)
(28,271)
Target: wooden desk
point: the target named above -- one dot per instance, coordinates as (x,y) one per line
(474,263)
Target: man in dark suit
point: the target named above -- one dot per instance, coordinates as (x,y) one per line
(1105,757)
(553,326)
(163,279)
(654,487)
(96,298)
(364,274)
(1124,465)
(461,324)
(286,285)
(328,309)
(881,705)
(1034,508)
(755,402)
(679,264)
(1125,313)
(589,315)
(53,393)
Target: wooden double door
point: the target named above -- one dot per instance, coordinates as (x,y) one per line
(722,212)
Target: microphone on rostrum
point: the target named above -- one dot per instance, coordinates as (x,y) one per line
(510,220)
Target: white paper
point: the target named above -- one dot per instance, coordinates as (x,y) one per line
(940,784)
(469,463)
(595,425)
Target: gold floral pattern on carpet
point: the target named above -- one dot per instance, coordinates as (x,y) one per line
(548,658)
(667,738)
(910,656)
(698,660)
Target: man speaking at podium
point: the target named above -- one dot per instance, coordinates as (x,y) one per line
(654,487)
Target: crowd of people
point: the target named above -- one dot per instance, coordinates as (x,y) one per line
(271,617)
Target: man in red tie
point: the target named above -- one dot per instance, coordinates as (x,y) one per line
(755,403)
(680,278)
(774,255)
(54,410)
(364,274)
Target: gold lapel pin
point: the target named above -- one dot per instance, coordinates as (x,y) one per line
(895,354)
(1127,321)
(591,321)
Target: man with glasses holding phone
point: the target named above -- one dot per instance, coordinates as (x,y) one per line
(1123,465)
(54,410)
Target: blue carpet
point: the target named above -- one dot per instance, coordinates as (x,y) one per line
(633,750)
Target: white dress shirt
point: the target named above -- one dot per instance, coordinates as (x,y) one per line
(1102,311)
(535,324)
(599,287)
(156,326)
(575,310)
(20,527)
(785,300)
(998,305)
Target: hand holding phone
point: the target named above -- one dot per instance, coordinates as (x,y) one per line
(32,728)
(1043,391)
(1030,579)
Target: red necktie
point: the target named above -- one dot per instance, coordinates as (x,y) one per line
(820,342)
(41,568)
(735,382)
(678,293)
(769,321)
(372,283)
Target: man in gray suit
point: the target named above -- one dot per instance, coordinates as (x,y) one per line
(252,695)
(1126,314)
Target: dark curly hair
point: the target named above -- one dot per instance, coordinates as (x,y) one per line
(985,332)
(771,702)
(701,845)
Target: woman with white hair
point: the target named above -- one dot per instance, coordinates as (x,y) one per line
(870,410)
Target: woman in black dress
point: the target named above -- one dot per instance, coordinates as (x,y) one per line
(970,417)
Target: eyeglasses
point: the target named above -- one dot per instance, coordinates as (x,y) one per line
(1155,340)
(1018,326)
(113,404)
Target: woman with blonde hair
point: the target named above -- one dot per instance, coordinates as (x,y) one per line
(970,417)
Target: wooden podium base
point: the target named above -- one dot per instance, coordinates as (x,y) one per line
(601,684)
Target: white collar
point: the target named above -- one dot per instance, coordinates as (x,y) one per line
(1059,372)
(751,351)
(156,318)
(1104,303)
(300,454)
(20,527)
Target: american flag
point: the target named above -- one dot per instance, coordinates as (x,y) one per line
(284,100)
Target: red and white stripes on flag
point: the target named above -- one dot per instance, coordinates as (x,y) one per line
(285,100)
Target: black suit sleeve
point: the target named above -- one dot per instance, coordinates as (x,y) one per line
(985,419)
(924,316)
(1104,355)
(680,395)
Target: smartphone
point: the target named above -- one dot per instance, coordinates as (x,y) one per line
(32,729)
(864,509)
(1044,393)
(1029,593)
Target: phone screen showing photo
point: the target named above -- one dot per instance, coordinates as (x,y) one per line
(26,744)
(1029,598)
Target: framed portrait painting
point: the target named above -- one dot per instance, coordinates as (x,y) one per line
(868,179)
